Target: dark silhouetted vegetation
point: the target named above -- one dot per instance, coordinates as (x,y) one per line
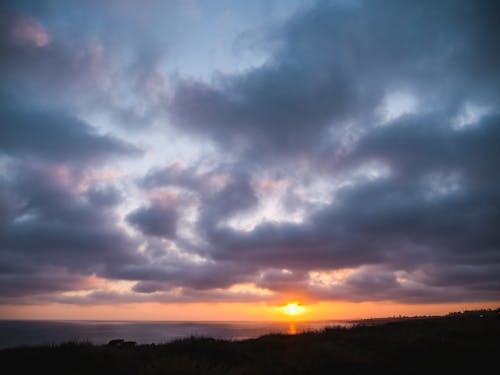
(458,343)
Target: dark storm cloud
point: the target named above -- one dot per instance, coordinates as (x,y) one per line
(237,196)
(55,136)
(266,108)
(169,274)
(104,196)
(378,284)
(53,234)
(18,285)
(187,295)
(204,276)
(417,219)
(155,220)
(284,281)
(336,62)
(177,176)
(162,268)
(419,144)
(219,200)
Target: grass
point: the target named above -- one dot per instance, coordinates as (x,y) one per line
(459,343)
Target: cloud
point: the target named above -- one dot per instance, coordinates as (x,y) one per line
(48,72)
(104,195)
(27,30)
(435,209)
(333,66)
(381,120)
(52,237)
(55,136)
(155,220)
(19,285)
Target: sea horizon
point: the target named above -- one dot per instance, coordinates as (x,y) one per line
(18,332)
(193,320)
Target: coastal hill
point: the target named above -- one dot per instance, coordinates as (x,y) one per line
(465,342)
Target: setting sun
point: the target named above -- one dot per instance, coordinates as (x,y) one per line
(292,309)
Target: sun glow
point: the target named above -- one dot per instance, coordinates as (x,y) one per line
(293,308)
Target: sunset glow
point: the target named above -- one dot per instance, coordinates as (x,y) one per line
(293,308)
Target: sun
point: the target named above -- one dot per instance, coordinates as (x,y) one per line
(292,308)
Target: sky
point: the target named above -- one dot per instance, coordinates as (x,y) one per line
(209,160)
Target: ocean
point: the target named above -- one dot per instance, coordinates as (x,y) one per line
(31,333)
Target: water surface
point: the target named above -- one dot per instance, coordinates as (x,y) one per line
(20,333)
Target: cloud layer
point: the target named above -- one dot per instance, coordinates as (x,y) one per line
(353,157)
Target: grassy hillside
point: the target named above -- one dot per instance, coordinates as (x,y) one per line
(459,343)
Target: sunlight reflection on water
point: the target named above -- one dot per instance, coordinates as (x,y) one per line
(292,328)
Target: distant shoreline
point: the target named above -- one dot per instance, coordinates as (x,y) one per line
(359,320)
